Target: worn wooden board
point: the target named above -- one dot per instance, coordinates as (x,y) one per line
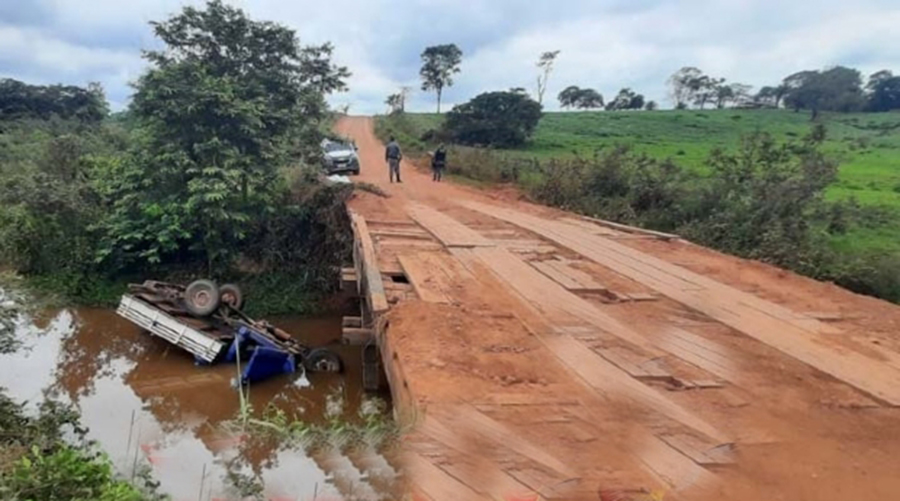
(367,265)
(466,430)
(525,398)
(591,227)
(429,282)
(546,268)
(449,231)
(585,281)
(434,482)
(668,464)
(699,450)
(631,229)
(413,234)
(702,352)
(501,434)
(787,331)
(634,364)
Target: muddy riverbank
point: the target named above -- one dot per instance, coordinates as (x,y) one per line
(149,406)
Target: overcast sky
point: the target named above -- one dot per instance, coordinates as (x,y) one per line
(604,44)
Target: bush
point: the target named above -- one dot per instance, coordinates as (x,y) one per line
(499,119)
(37,464)
(66,474)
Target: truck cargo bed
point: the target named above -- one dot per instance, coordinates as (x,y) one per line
(203,346)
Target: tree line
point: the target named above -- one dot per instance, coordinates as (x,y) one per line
(504,118)
(832,89)
(837,89)
(21,100)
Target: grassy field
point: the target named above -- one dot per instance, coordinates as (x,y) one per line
(867,146)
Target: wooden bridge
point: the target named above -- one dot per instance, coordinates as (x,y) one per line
(535,354)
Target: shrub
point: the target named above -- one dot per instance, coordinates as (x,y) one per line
(500,119)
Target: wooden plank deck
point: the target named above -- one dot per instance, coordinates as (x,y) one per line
(785,330)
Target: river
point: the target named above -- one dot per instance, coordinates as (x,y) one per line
(148,405)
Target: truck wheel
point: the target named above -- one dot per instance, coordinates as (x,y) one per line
(323,360)
(232,295)
(201,298)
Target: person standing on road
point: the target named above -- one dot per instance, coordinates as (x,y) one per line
(438,163)
(392,155)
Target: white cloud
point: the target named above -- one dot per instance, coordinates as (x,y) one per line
(32,55)
(605,44)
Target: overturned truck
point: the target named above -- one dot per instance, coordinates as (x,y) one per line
(206,320)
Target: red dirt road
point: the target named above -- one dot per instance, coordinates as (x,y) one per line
(546,357)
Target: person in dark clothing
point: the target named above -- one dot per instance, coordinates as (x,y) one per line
(438,163)
(393,155)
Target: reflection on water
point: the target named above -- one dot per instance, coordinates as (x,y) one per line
(145,402)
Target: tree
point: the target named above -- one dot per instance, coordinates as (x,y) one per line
(883,91)
(834,89)
(771,96)
(734,93)
(651,106)
(627,99)
(724,93)
(545,64)
(683,85)
(568,98)
(740,94)
(405,91)
(439,64)
(583,99)
(705,89)
(394,102)
(501,119)
(219,111)
(589,99)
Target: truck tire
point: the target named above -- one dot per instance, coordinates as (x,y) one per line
(323,360)
(201,298)
(232,295)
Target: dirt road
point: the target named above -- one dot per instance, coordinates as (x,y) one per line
(547,357)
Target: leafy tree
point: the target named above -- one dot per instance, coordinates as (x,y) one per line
(568,98)
(583,99)
(771,96)
(834,89)
(683,85)
(545,64)
(439,64)
(651,106)
(705,89)
(735,93)
(501,119)
(724,94)
(589,99)
(218,110)
(395,103)
(883,91)
(627,99)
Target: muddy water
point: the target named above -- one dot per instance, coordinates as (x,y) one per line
(146,403)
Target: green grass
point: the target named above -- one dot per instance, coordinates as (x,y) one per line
(866,144)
